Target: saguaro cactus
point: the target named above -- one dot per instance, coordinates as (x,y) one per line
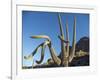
(63,49)
(66,55)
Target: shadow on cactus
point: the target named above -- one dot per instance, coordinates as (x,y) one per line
(66,56)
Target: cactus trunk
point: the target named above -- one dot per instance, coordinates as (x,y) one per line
(63,50)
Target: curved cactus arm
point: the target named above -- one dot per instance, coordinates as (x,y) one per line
(55,58)
(30,57)
(41,36)
(34,52)
(72,53)
(42,52)
(42,55)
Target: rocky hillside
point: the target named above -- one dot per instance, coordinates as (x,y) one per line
(83,44)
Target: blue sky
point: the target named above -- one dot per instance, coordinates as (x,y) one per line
(46,23)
